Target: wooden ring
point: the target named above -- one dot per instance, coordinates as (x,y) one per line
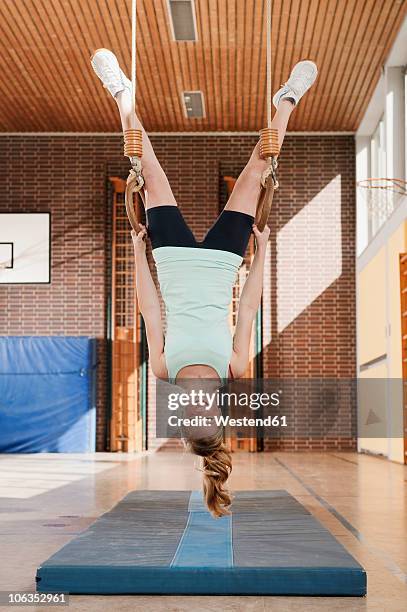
(269,145)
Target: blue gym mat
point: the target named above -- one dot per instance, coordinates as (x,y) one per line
(47,394)
(165,542)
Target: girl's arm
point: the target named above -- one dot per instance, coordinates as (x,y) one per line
(249,304)
(149,305)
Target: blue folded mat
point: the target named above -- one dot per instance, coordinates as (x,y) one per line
(166,542)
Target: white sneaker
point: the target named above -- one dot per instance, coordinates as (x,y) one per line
(302,76)
(106,66)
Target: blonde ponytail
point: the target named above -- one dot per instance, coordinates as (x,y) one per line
(216,469)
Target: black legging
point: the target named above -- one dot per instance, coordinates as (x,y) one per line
(230,232)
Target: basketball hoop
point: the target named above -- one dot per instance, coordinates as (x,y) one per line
(388,184)
(382,196)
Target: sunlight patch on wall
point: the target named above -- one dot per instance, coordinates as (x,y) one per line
(267,281)
(309,253)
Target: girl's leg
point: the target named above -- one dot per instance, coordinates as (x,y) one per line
(157,188)
(166,225)
(247,187)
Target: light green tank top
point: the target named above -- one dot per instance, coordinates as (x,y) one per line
(196,286)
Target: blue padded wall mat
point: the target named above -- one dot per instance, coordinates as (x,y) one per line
(47,394)
(165,542)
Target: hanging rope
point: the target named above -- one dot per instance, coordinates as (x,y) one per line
(268,60)
(133,52)
(269,145)
(133,138)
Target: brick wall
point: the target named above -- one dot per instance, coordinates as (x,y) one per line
(311,332)
(66,176)
(309,313)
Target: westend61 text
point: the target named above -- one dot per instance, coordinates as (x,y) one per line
(203,421)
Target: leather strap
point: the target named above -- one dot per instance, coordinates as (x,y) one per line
(133,185)
(264,204)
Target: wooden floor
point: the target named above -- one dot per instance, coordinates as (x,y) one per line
(45,500)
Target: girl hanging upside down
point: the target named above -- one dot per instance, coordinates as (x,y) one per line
(196,278)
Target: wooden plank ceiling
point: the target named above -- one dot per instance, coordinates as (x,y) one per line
(47,83)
